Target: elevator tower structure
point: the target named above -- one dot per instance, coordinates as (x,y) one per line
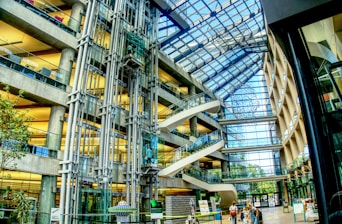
(112,110)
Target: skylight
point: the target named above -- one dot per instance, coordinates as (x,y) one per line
(220,42)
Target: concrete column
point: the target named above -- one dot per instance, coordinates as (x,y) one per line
(224,168)
(193,124)
(47,198)
(76,16)
(65,65)
(193,120)
(193,127)
(55,127)
(286,192)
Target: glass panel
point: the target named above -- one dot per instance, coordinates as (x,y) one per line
(222,36)
(324,44)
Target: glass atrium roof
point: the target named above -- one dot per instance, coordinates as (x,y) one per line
(219,42)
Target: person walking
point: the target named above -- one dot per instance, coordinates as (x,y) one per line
(233,211)
(247,214)
(242,214)
(255,215)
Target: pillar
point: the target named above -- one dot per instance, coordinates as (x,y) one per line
(47,198)
(76,16)
(193,120)
(224,168)
(194,135)
(65,66)
(286,192)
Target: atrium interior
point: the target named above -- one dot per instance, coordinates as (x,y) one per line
(174,101)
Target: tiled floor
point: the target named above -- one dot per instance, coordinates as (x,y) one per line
(275,215)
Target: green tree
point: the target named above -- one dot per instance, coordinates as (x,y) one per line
(22,211)
(260,187)
(269,186)
(14,132)
(255,171)
(238,171)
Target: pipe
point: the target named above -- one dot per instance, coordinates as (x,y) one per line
(74,106)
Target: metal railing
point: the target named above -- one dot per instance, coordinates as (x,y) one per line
(188,149)
(51,13)
(31,65)
(31,147)
(187,103)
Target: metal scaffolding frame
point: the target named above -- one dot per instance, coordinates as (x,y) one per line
(135,73)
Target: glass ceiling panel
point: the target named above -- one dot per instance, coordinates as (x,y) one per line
(220,42)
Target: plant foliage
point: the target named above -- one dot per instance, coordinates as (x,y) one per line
(22,211)
(14,132)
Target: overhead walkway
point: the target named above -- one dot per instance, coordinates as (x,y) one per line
(239,180)
(253,148)
(185,155)
(227,121)
(226,191)
(239,143)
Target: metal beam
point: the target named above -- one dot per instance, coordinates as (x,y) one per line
(235,60)
(234,77)
(244,121)
(248,43)
(237,87)
(165,8)
(175,35)
(224,30)
(188,52)
(252,148)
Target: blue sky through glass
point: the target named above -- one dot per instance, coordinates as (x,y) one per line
(223,42)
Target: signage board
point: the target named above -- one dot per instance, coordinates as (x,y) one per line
(204,208)
(55,215)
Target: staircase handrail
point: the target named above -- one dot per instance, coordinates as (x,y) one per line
(275,172)
(187,103)
(200,143)
(204,175)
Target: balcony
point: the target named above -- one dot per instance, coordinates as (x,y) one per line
(51,13)
(31,66)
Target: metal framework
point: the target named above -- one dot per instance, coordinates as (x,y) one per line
(223,41)
(219,42)
(118,54)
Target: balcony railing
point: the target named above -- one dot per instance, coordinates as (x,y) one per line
(215,176)
(170,90)
(31,73)
(267,141)
(31,65)
(51,13)
(235,174)
(35,146)
(32,149)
